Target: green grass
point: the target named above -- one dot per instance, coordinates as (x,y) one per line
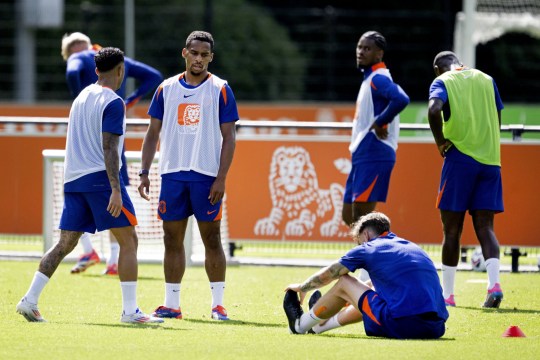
(83,320)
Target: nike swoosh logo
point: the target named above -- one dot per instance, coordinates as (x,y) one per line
(176,291)
(186,96)
(210,212)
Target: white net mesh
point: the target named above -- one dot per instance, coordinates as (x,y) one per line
(149,230)
(485,20)
(508,6)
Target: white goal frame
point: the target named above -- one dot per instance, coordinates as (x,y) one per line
(151,247)
(478,27)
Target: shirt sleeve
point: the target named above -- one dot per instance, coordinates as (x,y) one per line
(147,77)
(498,100)
(73,76)
(157,107)
(438,90)
(354,258)
(228,111)
(113,117)
(393,93)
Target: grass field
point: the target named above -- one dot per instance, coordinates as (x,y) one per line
(83,314)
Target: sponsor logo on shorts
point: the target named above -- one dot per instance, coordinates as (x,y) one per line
(162,207)
(210,212)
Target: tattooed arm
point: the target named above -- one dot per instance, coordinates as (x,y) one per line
(321,278)
(112,164)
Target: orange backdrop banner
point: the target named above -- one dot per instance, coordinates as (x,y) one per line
(291,189)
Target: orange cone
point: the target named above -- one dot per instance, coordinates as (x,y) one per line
(513,331)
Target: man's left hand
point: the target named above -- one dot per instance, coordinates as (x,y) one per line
(381,131)
(296,287)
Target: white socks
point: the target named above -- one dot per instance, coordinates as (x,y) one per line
(307,321)
(129,296)
(330,324)
(86,243)
(493,270)
(115,250)
(218,288)
(36,287)
(448,280)
(172,296)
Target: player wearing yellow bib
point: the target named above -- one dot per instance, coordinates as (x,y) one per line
(465,117)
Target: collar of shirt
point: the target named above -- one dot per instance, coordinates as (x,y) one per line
(379,65)
(385,235)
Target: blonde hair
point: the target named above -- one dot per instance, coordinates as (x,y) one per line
(71,39)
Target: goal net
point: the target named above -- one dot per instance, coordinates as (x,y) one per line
(484,20)
(149,229)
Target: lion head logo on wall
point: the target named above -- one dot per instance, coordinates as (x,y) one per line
(298,204)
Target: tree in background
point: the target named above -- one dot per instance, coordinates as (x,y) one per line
(253,52)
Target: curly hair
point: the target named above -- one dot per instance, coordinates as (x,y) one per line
(107,58)
(376,221)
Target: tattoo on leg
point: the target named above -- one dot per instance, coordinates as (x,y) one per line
(50,261)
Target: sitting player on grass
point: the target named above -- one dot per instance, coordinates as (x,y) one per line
(407,303)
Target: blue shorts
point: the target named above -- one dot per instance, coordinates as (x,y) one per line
(467,184)
(87,212)
(379,322)
(368,182)
(180,199)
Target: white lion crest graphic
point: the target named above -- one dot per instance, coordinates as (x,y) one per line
(297,201)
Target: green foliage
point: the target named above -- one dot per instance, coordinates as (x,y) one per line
(84,311)
(253,52)
(257,53)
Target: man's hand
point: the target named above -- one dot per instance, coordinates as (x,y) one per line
(443,148)
(144,187)
(217,191)
(115,203)
(381,131)
(296,287)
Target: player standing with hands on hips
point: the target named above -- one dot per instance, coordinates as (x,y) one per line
(464,114)
(95,198)
(193,115)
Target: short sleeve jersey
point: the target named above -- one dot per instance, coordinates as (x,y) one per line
(402,274)
(227,112)
(95,111)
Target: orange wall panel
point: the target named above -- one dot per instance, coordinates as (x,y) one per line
(251,196)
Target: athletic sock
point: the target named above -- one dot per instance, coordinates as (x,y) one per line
(129,297)
(115,250)
(172,295)
(493,271)
(218,288)
(307,321)
(36,287)
(330,324)
(448,280)
(86,243)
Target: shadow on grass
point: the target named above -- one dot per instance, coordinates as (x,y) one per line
(113,277)
(499,311)
(160,327)
(234,322)
(365,337)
